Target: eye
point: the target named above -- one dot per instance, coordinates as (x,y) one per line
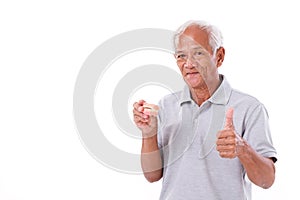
(198,53)
(180,56)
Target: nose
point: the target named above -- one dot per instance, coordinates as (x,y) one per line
(190,63)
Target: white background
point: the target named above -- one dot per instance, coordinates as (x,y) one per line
(43,45)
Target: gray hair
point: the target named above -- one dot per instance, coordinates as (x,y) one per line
(214,34)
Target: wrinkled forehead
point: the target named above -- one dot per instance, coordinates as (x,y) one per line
(193,37)
(187,42)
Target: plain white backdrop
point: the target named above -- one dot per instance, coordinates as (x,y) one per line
(43,46)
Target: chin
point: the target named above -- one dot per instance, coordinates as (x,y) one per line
(194,84)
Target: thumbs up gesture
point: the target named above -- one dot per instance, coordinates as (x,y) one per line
(229,143)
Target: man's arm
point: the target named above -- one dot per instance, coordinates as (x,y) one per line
(260,170)
(151,159)
(146,120)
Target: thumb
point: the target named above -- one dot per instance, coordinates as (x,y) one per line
(229,119)
(150,109)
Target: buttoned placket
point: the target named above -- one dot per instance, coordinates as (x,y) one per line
(196,111)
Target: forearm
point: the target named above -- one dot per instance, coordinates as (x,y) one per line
(151,159)
(260,170)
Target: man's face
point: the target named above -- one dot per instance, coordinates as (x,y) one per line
(195,58)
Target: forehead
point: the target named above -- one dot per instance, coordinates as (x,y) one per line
(193,36)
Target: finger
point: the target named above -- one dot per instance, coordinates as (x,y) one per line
(140,115)
(229,119)
(150,112)
(136,105)
(138,112)
(225,134)
(230,148)
(152,106)
(141,102)
(226,141)
(150,109)
(139,106)
(139,119)
(227,154)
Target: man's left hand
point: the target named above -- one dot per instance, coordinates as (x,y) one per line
(229,143)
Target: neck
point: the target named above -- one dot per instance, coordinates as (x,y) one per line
(199,95)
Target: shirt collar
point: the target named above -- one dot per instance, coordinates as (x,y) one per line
(220,96)
(185,95)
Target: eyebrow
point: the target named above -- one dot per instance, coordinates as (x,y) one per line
(194,48)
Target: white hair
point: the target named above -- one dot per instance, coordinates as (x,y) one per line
(214,34)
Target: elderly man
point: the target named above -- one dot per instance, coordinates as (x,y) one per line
(207,141)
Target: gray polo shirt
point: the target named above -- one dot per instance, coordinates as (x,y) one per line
(187,133)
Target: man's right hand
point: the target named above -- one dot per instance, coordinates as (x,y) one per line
(145,117)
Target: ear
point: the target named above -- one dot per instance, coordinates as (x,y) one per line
(220,54)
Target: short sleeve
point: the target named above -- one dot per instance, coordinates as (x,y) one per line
(257,132)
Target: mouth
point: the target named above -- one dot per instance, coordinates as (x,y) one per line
(191,74)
